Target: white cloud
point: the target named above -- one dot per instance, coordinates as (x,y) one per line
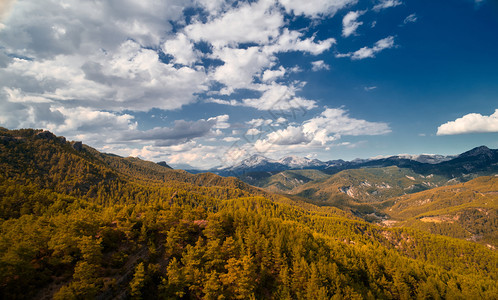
(223,102)
(369,88)
(289,136)
(81,123)
(256,22)
(320,131)
(410,19)
(231,139)
(240,66)
(470,123)
(290,40)
(84,119)
(200,156)
(221,121)
(19,96)
(315,8)
(383,4)
(259,122)
(272,75)
(182,50)
(367,52)
(75,67)
(213,6)
(274,97)
(84,26)
(337,121)
(130,78)
(253,131)
(279,97)
(350,23)
(319,65)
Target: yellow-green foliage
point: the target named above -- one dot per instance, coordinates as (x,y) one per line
(74,225)
(468,210)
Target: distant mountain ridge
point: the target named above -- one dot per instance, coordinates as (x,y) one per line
(475,160)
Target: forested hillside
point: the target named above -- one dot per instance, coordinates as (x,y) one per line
(79,224)
(468,210)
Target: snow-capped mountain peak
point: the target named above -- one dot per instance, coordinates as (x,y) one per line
(296,162)
(426,158)
(255,160)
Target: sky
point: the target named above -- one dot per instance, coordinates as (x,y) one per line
(208,83)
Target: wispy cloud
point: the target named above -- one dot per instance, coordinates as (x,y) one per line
(470,123)
(410,19)
(367,52)
(383,4)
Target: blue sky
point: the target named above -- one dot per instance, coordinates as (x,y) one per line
(211,82)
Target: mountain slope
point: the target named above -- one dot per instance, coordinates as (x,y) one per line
(80,225)
(468,210)
(282,182)
(473,163)
(357,190)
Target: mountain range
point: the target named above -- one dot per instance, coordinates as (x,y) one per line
(76,223)
(476,160)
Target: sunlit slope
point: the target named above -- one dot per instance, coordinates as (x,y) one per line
(283,182)
(468,210)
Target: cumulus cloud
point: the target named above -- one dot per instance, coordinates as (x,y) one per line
(319,131)
(240,66)
(271,75)
(383,4)
(182,50)
(338,121)
(96,54)
(84,68)
(253,131)
(367,52)
(470,123)
(108,55)
(279,97)
(273,97)
(319,65)
(291,135)
(256,22)
(350,23)
(291,40)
